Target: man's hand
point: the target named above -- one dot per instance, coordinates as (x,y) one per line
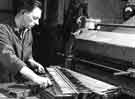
(44,82)
(37,66)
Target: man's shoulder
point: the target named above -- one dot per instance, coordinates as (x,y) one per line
(4,27)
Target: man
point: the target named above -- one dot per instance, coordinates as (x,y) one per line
(16,45)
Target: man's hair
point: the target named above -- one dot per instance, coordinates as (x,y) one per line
(28,5)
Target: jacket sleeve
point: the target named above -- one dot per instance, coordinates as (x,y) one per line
(8,59)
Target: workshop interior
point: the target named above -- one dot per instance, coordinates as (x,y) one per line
(86,46)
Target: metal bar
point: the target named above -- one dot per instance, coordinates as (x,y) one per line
(66,80)
(96,64)
(116,25)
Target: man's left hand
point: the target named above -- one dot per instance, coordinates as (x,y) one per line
(39,68)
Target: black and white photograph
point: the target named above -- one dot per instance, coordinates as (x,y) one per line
(67,49)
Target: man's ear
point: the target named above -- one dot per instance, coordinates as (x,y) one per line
(23,11)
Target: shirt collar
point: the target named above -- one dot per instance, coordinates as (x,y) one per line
(20,32)
(16,29)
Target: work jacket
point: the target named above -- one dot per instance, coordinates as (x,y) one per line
(15,50)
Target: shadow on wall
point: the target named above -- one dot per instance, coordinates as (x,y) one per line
(5,17)
(109,11)
(130,21)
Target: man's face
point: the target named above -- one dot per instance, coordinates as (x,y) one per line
(31,19)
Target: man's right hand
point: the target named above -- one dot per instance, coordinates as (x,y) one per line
(44,82)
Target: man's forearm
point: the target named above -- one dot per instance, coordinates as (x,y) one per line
(28,73)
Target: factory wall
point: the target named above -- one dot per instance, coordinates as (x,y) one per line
(109,11)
